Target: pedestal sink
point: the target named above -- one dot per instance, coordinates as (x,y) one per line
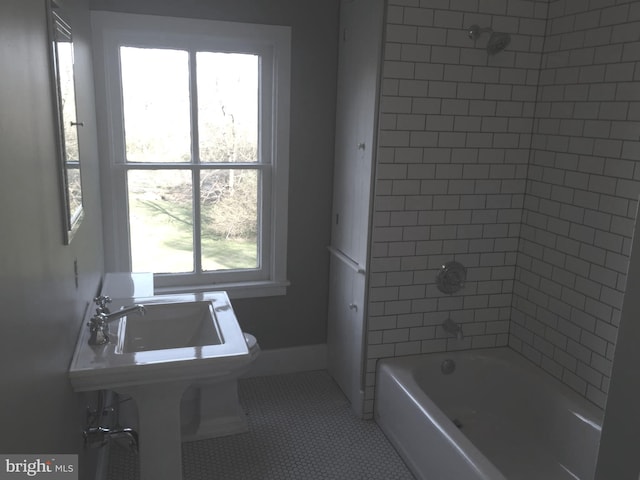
(181,340)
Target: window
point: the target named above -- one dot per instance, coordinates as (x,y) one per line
(195,150)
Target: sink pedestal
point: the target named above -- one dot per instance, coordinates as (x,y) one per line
(212,410)
(160,449)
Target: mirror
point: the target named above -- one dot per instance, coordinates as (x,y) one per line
(66,119)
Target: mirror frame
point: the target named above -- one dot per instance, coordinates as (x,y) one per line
(66,122)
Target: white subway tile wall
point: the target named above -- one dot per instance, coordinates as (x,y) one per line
(521,166)
(582,192)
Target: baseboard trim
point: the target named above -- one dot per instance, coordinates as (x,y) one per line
(289,360)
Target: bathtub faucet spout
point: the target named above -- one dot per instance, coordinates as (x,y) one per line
(453,328)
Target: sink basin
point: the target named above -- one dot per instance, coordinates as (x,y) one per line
(166,326)
(180,338)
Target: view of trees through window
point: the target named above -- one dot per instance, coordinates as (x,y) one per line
(64,57)
(192,159)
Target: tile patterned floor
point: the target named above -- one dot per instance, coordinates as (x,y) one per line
(301,428)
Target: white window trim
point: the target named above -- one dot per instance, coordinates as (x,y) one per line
(110,31)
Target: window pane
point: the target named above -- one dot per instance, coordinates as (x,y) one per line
(160,220)
(157,119)
(229,210)
(227,106)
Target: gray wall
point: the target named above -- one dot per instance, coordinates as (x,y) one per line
(41,307)
(300,317)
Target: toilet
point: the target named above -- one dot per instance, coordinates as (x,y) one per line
(212,409)
(252,343)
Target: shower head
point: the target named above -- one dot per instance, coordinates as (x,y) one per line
(475,31)
(498,42)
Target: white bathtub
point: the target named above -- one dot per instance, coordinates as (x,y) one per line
(496,417)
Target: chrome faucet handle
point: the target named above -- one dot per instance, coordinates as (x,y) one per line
(101,302)
(99,328)
(451,277)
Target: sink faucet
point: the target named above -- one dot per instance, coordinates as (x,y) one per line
(99,323)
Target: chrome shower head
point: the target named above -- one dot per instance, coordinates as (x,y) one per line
(498,42)
(475,31)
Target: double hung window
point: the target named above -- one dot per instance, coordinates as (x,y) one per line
(195,150)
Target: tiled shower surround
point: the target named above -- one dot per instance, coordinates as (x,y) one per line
(521,166)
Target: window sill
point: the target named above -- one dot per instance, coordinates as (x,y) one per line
(234,290)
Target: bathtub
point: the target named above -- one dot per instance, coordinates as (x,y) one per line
(495,417)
